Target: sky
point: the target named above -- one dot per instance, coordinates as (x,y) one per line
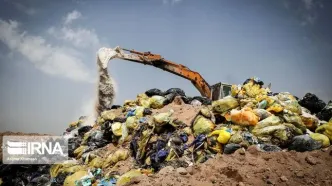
(48,51)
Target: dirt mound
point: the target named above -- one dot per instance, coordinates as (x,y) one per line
(250,167)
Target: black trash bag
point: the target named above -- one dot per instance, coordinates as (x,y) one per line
(203,100)
(60,178)
(231,148)
(73,144)
(177,91)
(83,130)
(269,148)
(169,98)
(154,92)
(312,103)
(147,111)
(120,119)
(326,113)
(304,143)
(186,100)
(115,106)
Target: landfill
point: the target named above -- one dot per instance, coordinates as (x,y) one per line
(170,138)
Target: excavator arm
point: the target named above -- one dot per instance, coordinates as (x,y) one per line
(213,92)
(147,58)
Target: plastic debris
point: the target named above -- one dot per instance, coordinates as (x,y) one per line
(304,143)
(326,113)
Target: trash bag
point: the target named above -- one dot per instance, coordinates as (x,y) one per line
(294,119)
(202,125)
(125,178)
(96,162)
(108,115)
(117,128)
(275,108)
(143,100)
(70,180)
(157,102)
(131,123)
(203,100)
(245,117)
(310,121)
(324,140)
(177,91)
(115,107)
(262,114)
(84,129)
(279,135)
(291,105)
(326,113)
(231,148)
(225,104)
(119,155)
(304,143)
(312,103)
(223,135)
(325,129)
(270,121)
(163,118)
(154,92)
(206,112)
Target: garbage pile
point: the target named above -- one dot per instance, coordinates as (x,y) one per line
(153,132)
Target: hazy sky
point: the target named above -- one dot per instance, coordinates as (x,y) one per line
(48,50)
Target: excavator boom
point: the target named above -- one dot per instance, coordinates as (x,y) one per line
(147,58)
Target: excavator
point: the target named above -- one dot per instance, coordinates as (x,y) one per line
(213,92)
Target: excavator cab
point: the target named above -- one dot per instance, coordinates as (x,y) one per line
(220,90)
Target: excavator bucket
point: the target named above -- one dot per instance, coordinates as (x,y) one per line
(220,90)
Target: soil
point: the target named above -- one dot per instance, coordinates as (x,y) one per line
(250,167)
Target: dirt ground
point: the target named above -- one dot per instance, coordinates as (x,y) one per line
(249,167)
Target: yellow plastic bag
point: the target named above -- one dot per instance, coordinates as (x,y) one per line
(163,118)
(157,102)
(325,129)
(324,140)
(119,155)
(275,108)
(117,128)
(96,162)
(108,115)
(139,111)
(223,135)
(131,123)
(70,180)
(125,178)
(225,104)
(143,100)
(202,125)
